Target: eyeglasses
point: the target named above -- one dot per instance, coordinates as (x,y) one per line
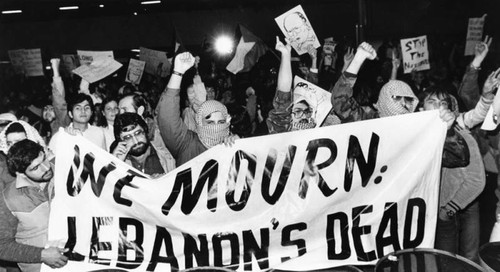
(129,137)
(299,113)
(407,99)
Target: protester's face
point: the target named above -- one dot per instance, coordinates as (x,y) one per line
(300,111)
(215,118)
(40,169)
(210,93)
(48,113)
(126,104)
(136,139)
(110,111)
(82,112)
(190,95)
(296,28)
(405,101)
(15,137)
(303,68)
(433,103)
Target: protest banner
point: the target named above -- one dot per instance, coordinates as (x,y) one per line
(154,60)
(135,70)
(297,28)
(415,54)
(33,62)
(252,207)
(87,57)
(319,98)
(98,69)
(17,60)
(474,34)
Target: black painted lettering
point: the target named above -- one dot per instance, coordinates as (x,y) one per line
(286,239)
(345,251)
(358,230)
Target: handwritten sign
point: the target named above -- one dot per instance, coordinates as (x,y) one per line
(155,60)
(87,57)
(33,62)
(474,34)
(98,69)
(17,60)
(297,28)
(415,54)
(135,70)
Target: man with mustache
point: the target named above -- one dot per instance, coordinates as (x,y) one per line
(25,208)
(134,147)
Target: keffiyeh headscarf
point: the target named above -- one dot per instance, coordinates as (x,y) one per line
(31,134)
(387,106)
(211,135)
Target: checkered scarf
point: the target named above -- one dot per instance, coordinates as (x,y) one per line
(386,105)
(211,135)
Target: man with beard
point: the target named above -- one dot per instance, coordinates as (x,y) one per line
(134,147)
(24,209)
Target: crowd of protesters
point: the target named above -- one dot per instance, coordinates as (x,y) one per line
(164,122)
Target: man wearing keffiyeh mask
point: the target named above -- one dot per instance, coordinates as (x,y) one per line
(395,98)
(212,119)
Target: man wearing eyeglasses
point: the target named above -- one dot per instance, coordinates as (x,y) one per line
(133,146)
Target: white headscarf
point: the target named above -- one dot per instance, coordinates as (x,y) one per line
(31,134)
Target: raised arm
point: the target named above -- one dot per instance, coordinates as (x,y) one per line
(58,99)
(279,117)
(469,87)
(173,130)
(478,113)
(344,106)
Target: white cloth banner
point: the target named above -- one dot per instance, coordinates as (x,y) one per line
(415,54)
(250,207)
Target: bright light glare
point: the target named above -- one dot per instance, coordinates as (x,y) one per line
(12,11)
(224,45)
(68,8)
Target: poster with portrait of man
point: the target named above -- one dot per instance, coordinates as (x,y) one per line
(297,28)
(135,70)
(317,100)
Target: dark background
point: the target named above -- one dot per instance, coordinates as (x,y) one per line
(115,27)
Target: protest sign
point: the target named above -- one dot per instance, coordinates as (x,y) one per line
(17,60)
(33,62)
(98,69)
(319,98)
(87,57)
(135,70)
(154,60)
(252,207)
(415,54)
(297,28)
(474,34)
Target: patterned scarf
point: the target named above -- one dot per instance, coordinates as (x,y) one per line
(386,105)
(211,135)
